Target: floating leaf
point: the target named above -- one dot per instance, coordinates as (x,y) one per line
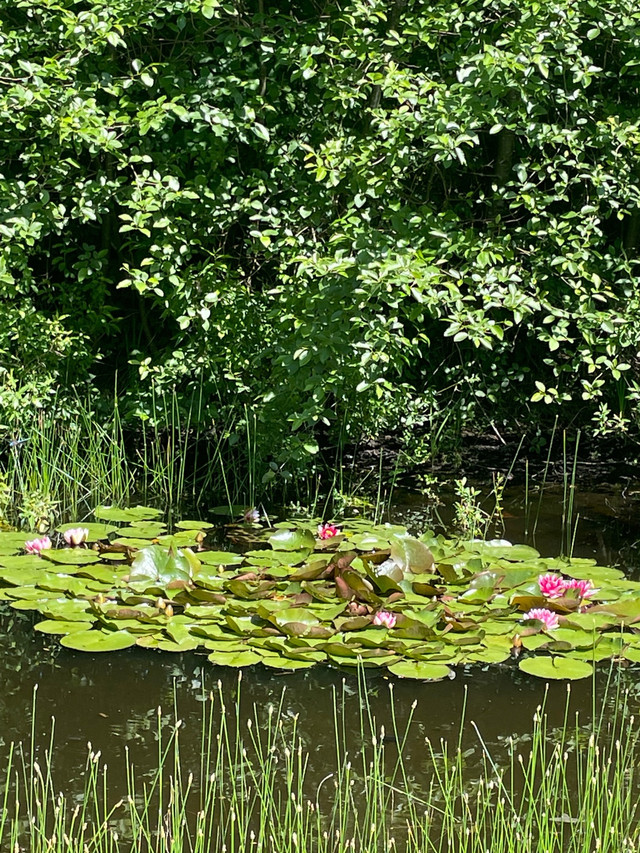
(236,659)
(186,524)
(98,641)
(556,667)
(411,555)
(220,558)
(71,556)
(133,544)
(501,549)
(420,670)
(11,541)
(292,540)
(143,530)
(95,530)
(157,565)
(59,626)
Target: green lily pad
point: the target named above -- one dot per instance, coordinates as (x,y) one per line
(22,563)
(411,554)
(292,540)
(232,511)
(11,541)
(128,542)
(500,549)
(59,626)
(143,530)
(561,668)
(98,641)
(134,513)
(181,539)
(186,524)
(71,556)
(220,558)
(286,664)
(69,610)
(236,659)
(420,670)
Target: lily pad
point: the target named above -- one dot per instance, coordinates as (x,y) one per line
(411,554)
(187,524)
(292,540)
(143,530)
(71,556)
(129,514)
(563,668)
(235,659)
(420,670)
(220,558)
(98,641)
(59,626)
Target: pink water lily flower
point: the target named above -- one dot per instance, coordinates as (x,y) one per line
(552,585)
(385,618)
(327,531)
(584,587)
(76,536)
(548,619)
(34,546)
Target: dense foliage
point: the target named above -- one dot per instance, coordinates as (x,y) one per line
(313,217)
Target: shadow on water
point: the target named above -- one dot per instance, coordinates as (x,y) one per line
(111,700)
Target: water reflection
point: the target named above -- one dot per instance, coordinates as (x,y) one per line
(111,700)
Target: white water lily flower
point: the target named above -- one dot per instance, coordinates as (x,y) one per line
(76,536)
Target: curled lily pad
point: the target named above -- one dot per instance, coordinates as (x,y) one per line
(159,566)
(411,555)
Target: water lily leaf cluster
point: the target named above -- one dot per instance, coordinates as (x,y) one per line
(372,595)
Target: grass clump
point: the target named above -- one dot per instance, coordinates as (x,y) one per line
(255,785)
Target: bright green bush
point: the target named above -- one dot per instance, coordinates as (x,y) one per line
(311,217)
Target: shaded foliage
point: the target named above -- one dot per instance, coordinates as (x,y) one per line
(312,217)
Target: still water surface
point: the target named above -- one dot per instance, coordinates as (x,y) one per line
(111,700)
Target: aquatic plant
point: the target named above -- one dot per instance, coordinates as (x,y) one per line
(292,600)
(327,531)
(541,614)
(75,535)
(250,787)
(34,546)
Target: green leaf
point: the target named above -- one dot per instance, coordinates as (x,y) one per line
(98,641)
(561,668)
(420,670)
(292,540)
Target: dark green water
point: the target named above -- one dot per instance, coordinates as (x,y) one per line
(111,699)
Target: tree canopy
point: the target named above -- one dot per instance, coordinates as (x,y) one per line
(336,215)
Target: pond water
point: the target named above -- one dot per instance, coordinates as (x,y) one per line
(111,699)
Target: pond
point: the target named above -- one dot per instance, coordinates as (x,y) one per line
(111,700)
